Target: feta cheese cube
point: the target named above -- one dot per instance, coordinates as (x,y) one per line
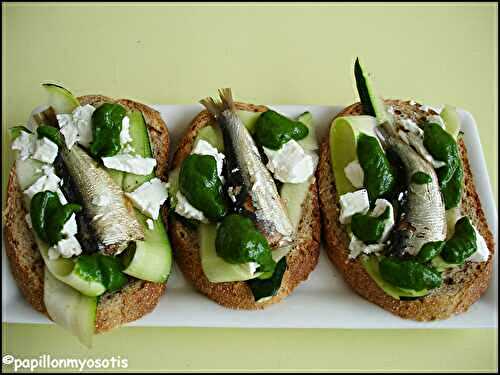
(130,164)
(82,117)
(356,247)
(25,144)
(77,126)
(68,129)
(202,147)
(48,181)
(291,163)
(355,174)
(380,206)
(125,132)
(482,252)
(66,248)
(184,208)
(70,228)
(353,203)
(45,150)
(149,197)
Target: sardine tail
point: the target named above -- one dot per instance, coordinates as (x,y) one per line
(226,96)
(214,108)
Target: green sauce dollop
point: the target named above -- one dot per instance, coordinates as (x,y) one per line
(443,147)
(48,216)
(239,241)
(367,228)
(409,274)
(106,128)
(379,176)
(201,185)
(273,130)
(463,243)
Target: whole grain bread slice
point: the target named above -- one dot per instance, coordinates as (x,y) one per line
(301,259)
(461,287)
(136,298)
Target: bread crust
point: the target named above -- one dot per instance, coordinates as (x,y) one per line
(135,299)
(301,260)
(461,287)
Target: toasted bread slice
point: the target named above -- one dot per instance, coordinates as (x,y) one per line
(135,299)
(301,260)
(461,287)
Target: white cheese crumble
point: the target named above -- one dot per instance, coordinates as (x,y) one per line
(66,248)
(150,224)
(82,117)
(149,197)
(184,208)
(77,126)
(291,163)
(70,135)
(45,150)
(130,164)
(68,129)
(482,252)
(413,102)
(353,203)
(356,247)
(70,228)
(125,132)
(48,181)
(380,206)
(202,147)
(25,144)
(355,174)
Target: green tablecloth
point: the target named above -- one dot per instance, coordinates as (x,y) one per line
(286,54)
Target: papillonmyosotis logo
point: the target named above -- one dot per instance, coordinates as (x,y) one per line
(46,361)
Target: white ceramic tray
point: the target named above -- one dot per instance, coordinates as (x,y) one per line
(323,301)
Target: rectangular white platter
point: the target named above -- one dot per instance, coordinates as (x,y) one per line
(324,300)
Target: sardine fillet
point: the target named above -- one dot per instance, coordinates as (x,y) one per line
(114,224)
(271,216)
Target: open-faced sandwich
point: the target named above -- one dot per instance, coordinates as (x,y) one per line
(245,221)
(85,214)
(401,217)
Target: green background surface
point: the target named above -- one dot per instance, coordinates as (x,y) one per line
(283,54)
